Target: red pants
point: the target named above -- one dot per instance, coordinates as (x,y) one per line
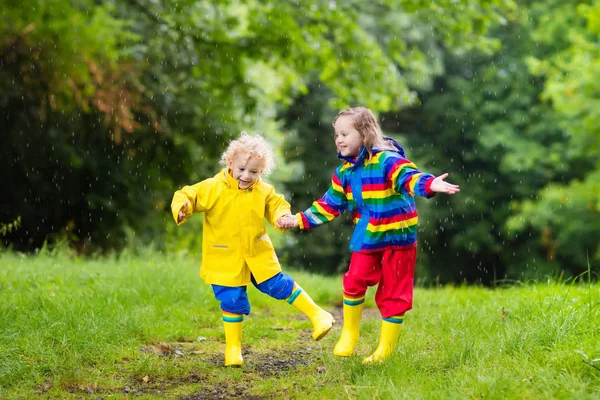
(394,270)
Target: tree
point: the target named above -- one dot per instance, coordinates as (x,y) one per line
(119,103)
(504,145)
(565,213)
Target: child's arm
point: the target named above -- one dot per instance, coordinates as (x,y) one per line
(327,208)
(276,207)
(407,178)
(190,199)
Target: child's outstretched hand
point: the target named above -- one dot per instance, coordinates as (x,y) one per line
(287,221)
(441,186)
(181,215)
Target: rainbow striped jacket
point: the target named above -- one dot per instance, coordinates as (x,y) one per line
(379,194)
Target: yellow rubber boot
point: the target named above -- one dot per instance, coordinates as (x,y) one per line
(390,330)
(321,320)
(350,330)
(233,339)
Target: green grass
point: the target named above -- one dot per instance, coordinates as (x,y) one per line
(148,327)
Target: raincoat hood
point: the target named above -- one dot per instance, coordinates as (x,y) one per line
(364,153)
(232,183)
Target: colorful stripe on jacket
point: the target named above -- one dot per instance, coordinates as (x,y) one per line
(379,193)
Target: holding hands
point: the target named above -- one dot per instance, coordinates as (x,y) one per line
(441,186)
(287,221)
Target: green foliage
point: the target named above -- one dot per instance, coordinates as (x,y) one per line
(573,95)
(58,50)
(9,227)
(570,73)
(558,214)
(487,125)
(110,107)
(68,94)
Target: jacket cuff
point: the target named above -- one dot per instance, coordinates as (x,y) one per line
(175,212)
(300,220)
(428,192)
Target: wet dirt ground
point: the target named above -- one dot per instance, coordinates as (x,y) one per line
(257,366)
(268,365)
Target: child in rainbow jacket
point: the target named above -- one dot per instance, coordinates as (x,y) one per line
(377,185)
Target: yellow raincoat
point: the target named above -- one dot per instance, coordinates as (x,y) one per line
(235,243)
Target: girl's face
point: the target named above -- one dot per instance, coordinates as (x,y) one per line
(246,170)
(347,139)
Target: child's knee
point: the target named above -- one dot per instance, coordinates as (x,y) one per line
(233,299)
(279,287)
(355,284)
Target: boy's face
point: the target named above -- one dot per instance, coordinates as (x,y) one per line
(347,139)
(246,170)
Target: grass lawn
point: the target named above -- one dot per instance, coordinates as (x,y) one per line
(148,327)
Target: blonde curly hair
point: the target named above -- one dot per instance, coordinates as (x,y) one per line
(250,145)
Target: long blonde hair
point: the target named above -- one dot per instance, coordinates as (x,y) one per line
(366,124)
(250,145)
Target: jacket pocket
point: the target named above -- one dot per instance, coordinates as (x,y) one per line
(220,255)
(262,244)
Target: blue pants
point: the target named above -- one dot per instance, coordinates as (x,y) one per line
(235,299)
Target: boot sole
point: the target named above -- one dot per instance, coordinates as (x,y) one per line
(325,332)
(322,334)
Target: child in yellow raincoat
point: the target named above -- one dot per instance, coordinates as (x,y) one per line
(236,248)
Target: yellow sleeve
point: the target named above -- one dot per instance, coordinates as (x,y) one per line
(276,207)
(198,196)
